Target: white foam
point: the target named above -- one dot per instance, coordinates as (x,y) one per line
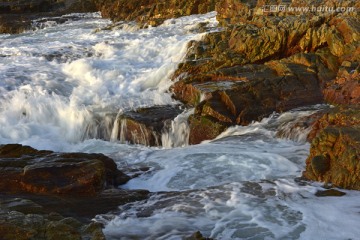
(74,74)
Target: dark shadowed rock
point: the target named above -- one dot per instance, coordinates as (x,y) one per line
(197,236)
(145,125)
(17,16)
(330,193)
(24,169)
(47,195)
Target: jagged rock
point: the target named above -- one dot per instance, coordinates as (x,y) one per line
(335,151)
(264,62)
(145,125)
(345,89)
(290,83)
(152,12)
(24,169)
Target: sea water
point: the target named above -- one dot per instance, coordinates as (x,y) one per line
(62,84)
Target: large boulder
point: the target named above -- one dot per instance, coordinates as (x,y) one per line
(288,84)
(24,169)
(335,150)
(48,195)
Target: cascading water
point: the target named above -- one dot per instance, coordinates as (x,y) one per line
(84,75)
(63,87)
(176,134)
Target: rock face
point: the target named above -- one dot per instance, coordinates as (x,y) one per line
(24,219)
(152,12)
(145,125)
(24,169)
(263,62)
(16,16)
(335,151)
(345,88)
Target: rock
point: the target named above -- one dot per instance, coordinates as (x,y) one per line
(299,129)
(38,6)
(320,165)
(345,89)
(336,117)
(15,223)
(335,151)
(82,208)
(289,85)
(330,193)
(197,236)
(24,169)
(145,125)
(152,12)
(264,62)
(204,128)
(17,16)
(48,195)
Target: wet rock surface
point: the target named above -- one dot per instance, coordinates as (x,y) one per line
(146,125)
(260,62)
(47,195)
(335,151)
(24,169)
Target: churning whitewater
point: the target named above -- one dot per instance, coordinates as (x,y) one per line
(57,82)
(62,86)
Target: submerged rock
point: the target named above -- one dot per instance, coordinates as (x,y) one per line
(197,236)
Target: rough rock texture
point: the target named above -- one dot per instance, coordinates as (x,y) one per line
(345,88)
(24,169)
(145,125)
(47,195)
(262,62)
(335,151)
(152,12)
(23,219)
(17,16)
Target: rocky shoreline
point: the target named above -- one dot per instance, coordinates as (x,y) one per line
(258,63)
(261,62)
